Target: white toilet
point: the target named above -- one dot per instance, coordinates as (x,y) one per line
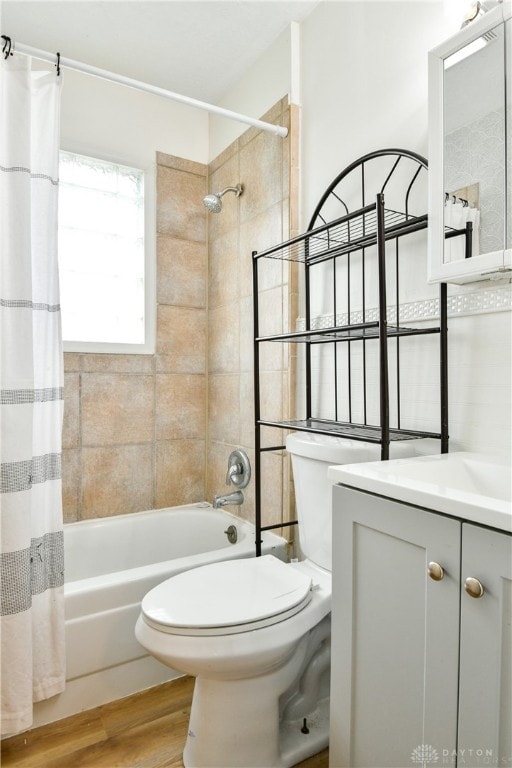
(255,633)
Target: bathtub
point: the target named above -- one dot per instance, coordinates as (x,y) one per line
(110,565)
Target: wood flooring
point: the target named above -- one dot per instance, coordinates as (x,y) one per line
(146,730)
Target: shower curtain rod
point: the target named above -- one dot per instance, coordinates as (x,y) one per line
(78,66)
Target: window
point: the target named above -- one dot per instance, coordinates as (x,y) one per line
(104,256)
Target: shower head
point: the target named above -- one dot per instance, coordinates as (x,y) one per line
(214,203)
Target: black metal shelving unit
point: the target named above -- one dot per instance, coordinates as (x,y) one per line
(368,228)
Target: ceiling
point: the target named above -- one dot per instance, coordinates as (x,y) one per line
(197,48)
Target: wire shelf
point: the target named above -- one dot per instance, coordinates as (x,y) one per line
(347,333)
(344,235)
(364,432)
(354,378)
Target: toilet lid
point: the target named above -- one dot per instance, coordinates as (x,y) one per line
(227,597)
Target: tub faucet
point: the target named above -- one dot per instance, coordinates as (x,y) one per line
(237,497)
(233,471)
(239,469)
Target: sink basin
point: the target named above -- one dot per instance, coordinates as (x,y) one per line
(471,486)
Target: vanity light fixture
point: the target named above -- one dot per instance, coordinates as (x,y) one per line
(470,49)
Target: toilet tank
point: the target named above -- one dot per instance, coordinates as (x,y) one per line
(311,456)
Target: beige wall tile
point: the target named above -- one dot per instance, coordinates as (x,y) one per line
(182,267)
(180,210)
(272,356)
(71,361)
(181,339)
(116,480)
(286,157)
(257,234)
(117,408)
(223,269)
(246,409)
(223,338)
(286,219)
(271,501)
(71,424)
(260,161)
(71,484)
(272,436)
(271,395)
(180,472)
(181,164)
(264,219)
(180,406)
(227,175)
(117,363)
(246,334)
(247,509)
(292,278)
(270,312)
(286,394)
(224,408)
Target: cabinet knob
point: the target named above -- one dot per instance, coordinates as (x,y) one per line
(473,587)
(435,571)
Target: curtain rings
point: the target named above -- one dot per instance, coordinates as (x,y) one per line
(7,46)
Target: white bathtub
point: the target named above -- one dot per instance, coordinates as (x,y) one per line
(110,564)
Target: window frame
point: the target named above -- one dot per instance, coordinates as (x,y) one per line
(148,346)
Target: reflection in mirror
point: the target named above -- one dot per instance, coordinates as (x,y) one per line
(474,145)
(508,102)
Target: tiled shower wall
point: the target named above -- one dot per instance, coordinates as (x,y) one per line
(148,431)
(262,216)
(134,432)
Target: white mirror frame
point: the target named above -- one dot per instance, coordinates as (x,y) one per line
(487,265)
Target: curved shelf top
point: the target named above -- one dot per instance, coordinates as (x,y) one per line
(395,172)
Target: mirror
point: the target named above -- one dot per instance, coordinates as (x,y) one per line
(470,152)
(474,144)
(508,138)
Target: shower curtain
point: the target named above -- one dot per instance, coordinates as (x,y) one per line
(31,394)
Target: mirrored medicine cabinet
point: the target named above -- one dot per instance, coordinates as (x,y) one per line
(470,152)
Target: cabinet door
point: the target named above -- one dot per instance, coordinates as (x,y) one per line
(394,633)
(485,709)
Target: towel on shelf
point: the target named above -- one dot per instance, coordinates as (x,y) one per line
(457,213)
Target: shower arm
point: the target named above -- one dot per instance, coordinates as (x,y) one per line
(238,190)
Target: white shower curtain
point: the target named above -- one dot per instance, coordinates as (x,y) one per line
(31,394)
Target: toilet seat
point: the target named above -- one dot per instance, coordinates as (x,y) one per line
(227,598)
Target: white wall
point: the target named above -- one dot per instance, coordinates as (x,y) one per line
(113,120)
(364,87)
(263,85)
(127,125)
(364,84)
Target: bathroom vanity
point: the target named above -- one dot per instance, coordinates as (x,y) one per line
(421,616)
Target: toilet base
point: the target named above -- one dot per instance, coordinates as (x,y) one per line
(236,723)
(225,734)
(296,746)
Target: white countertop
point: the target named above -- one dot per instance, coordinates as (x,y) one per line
(470,486)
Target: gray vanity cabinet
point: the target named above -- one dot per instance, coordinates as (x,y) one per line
(397,618)
(485,714)
(394,632)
